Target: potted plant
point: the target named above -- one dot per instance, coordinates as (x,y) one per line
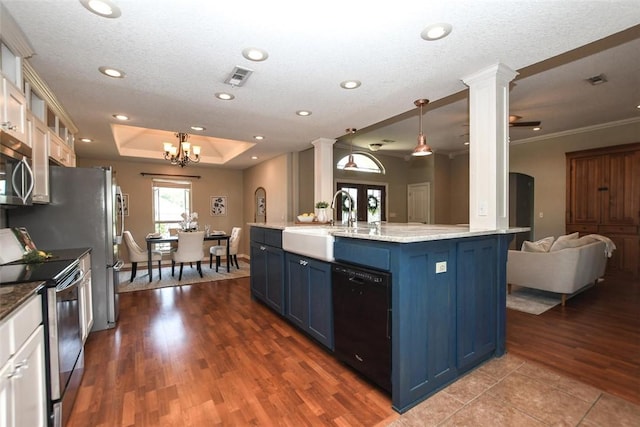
(322,208)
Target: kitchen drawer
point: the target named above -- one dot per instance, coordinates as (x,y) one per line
(582,228)
(617,229)
(24,322)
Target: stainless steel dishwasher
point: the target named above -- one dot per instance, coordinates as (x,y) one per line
(362,321)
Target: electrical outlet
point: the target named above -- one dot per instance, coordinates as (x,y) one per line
(441,267)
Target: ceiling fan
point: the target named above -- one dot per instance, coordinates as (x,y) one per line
(514,121)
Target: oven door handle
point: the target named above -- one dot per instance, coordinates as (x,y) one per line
(61,287)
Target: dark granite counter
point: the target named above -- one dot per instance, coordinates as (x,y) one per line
(12,296)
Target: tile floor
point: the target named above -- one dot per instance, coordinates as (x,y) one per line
(513,392)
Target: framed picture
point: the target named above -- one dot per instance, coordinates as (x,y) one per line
(218,205)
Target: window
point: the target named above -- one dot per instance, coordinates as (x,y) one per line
(170,200)
(365,161)
(369,202)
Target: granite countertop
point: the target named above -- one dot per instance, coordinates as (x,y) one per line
(12,296)
(397,232)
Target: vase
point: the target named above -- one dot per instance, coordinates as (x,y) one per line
(322,215)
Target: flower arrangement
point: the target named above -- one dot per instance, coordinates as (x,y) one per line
(189,221)
(322,205)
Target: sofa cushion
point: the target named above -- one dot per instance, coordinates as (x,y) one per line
(561,239)
(571,243)
(542,245)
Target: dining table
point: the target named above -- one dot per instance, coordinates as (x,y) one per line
(151,241)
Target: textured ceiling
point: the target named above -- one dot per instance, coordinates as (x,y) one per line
(176,55)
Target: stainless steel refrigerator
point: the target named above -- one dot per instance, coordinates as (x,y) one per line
(85,211)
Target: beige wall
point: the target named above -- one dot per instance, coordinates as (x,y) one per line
(274,176)
(213,182)
(459,189)
(545,161)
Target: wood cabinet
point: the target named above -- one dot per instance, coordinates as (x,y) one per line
(267,267)
(23,399)
(38,135)
(603,197)
(308,296)
(13,110)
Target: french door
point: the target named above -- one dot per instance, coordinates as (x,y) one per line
(369,202)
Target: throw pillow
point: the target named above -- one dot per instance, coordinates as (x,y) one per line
(542,245)
(568,237)
(572,243)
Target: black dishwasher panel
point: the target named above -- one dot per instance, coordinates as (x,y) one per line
(362,321)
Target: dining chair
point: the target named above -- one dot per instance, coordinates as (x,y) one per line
(189,250)
(137,254)
(219,250)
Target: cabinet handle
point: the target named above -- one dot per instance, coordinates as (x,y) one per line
(17,371)
(263,248)
(303,262)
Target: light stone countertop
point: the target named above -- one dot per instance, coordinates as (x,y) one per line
(396,232)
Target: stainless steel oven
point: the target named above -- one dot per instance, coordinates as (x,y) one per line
(66,355)
(16,175)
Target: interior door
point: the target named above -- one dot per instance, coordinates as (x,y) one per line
(419,202)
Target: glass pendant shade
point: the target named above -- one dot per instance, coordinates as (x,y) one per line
(183,154)
(351,164)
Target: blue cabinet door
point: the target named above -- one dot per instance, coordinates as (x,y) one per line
(275,278)
(297,288)
(308,302)
(320,308)
(258,277)
(476,301)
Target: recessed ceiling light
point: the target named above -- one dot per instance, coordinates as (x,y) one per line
(535,129)
(120,117)
(258,137)
(198,128)
(224,96)
(638,106)
(112,72)
(303,113)
(254,157)
(104,8)
(86,139)
(350,84)
(466,143)
(436,31)
(255,54)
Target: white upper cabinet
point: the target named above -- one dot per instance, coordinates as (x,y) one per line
(13,111)
(38,135)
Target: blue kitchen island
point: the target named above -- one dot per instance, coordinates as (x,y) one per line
(448,298)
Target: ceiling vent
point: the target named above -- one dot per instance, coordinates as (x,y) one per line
(238,76)
(597,80)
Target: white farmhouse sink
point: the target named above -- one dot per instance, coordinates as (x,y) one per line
(314,242)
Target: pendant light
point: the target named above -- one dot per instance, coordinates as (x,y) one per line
(351,164)
(422,149)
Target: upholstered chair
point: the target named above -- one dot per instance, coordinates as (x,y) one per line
(220,250)
(137,254)
(189,250)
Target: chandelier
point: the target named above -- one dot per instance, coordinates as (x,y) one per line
(182,154)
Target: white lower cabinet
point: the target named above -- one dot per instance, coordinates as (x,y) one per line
(23,400)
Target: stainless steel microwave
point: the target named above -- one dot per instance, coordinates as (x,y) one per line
(16,175)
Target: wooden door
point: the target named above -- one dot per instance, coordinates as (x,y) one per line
(620,189)
(584,190)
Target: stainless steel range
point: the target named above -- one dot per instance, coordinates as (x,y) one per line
(63,344)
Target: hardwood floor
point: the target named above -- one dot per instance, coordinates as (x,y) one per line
(595,338)
(209,355)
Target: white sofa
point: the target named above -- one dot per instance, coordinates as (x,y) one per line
(564,271)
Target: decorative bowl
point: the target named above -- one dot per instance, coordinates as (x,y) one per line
(307,218)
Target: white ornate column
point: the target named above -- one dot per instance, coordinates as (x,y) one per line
(489,147)
(323,169)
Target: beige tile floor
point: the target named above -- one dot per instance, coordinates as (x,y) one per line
(513,392)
